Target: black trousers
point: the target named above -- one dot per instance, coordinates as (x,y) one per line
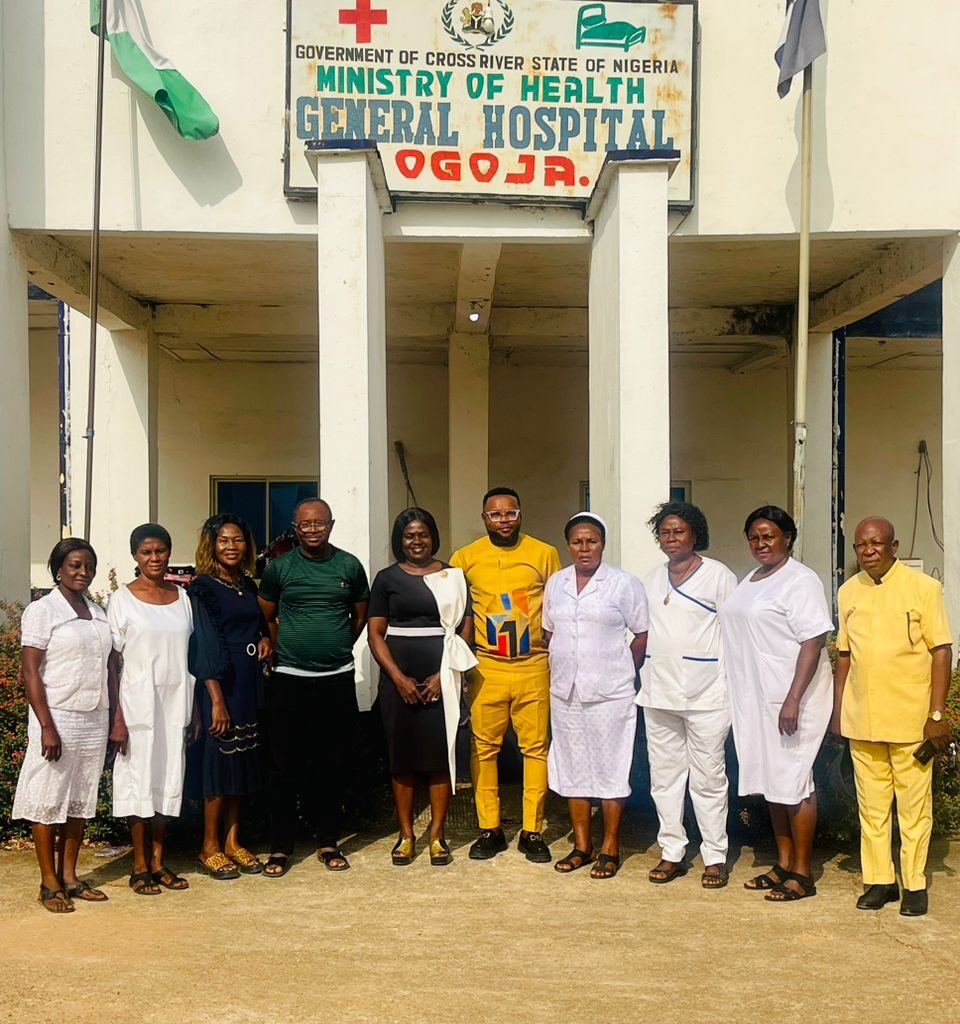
(312,734)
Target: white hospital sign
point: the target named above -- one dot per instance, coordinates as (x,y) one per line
(515,100)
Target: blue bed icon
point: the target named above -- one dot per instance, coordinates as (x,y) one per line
(593,29)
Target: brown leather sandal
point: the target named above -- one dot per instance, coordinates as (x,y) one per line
(660,875)
(85,891)
(715,880)
(55,900)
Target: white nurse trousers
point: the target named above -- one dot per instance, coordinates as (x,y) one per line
(687,747)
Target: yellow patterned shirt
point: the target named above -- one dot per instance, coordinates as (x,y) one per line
(506,585)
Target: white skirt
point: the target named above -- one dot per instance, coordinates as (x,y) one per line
(592,747)
(148,779)
(49,792)
(780,768)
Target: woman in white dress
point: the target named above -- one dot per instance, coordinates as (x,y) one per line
(67,656)
(774,627)
(683,693)
(595,627)
(151,621)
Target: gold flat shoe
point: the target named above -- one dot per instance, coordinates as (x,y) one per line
(440,854)
(403,851)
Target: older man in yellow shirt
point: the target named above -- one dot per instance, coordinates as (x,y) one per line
(893,676)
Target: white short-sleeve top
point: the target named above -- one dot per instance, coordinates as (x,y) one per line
(684,666)
(75,651)
(591,633)
(764,623)
(153,640)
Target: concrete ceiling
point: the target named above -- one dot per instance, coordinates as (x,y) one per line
(282,272)
(539,299)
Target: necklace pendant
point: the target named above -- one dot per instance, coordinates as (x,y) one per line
(666,600)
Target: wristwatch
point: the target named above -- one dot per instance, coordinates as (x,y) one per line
(935,716)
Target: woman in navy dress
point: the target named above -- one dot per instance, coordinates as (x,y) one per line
(229,643)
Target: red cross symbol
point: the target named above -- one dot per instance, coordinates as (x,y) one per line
(362,18)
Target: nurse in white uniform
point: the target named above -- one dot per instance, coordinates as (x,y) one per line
(151,621)
(69,673)
(684,693)
(774,627)
(595,625)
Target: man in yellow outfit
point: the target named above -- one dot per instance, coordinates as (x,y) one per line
(893,676)
(507,571)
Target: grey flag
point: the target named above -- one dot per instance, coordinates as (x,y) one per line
(801,41)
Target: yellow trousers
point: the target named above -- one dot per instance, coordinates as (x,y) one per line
(884,771)
(500,694)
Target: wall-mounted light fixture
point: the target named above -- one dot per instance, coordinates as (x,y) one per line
(474,315)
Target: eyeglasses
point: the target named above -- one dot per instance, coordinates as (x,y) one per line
(314,526)
(511,515)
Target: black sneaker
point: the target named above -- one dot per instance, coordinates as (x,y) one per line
(532,846)
(490,843)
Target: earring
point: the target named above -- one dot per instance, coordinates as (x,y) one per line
(58,577)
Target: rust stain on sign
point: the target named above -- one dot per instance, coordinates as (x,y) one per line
(669,11)
(669,95)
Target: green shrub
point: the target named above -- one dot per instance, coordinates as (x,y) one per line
(13,718)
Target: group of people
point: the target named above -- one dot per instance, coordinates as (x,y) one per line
(504,635)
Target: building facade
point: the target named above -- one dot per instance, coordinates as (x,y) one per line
(633,342)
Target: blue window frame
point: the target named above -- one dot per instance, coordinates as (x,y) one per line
(265,503)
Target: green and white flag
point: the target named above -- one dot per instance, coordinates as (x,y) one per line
(151,72)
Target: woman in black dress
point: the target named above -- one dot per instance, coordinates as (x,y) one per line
(229,642)
(407,640)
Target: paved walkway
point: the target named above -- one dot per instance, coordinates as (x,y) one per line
(495,941)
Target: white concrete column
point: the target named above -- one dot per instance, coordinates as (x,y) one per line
(14,397)
(125,441)
(352,368)
(44,451)
(951,428)
(468,389)
(14,415)
(818,504)
(630,361)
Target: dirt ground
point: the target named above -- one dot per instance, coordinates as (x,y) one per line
(495,941)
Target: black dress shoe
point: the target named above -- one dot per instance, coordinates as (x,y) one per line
(532,846)
(877,896)
(914,903)
(490,843)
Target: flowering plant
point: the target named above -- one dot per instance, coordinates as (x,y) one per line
(13,717)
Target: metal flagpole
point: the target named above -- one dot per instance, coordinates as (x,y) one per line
(94,271)
(803,315)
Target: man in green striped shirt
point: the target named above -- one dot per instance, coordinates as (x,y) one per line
(315,600)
